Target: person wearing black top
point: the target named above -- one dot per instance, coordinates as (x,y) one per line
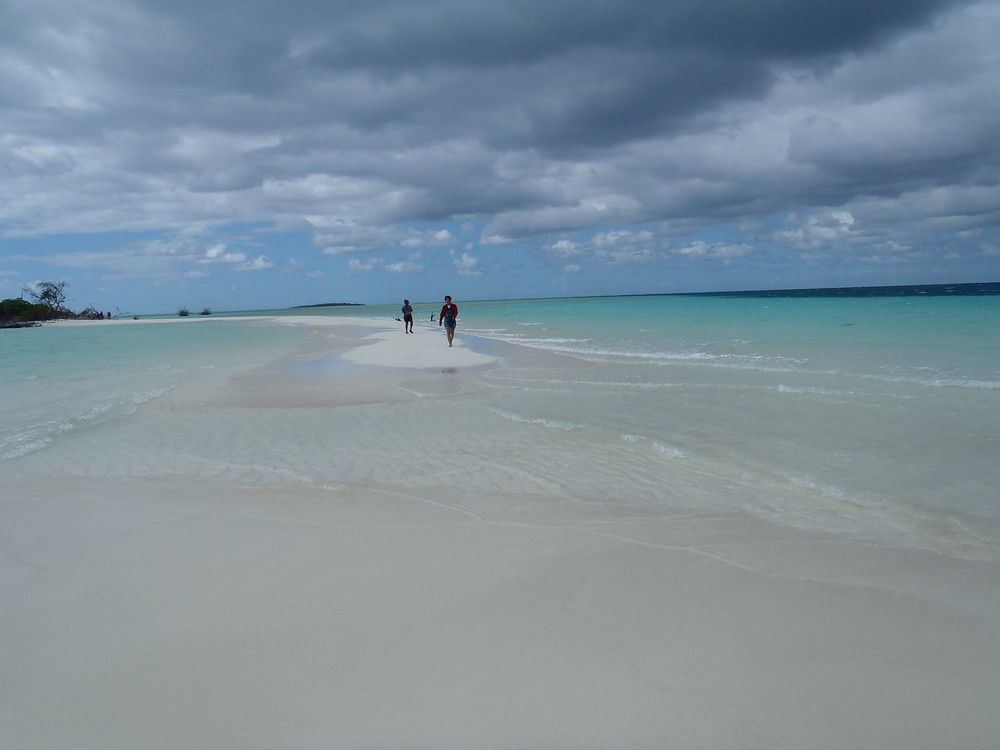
(407,317)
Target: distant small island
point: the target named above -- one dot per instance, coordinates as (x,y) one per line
(329,304)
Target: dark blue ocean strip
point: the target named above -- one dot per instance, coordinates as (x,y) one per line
(914,290)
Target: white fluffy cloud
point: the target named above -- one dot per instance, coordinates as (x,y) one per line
(416,238)
(362,266)
(219,253)
(719,250)
(563,248)
(402,266)
(260,263)
(467,265)
(818,229)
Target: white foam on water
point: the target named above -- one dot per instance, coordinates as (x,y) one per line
(970,383)
(664,450)
(942,382)
(602,383)
(552,424)
(562,345)
(668,450)
(766,363)
(832,491)
(625,354)
(36,436)
(921,527)
(812,390)
(533,342)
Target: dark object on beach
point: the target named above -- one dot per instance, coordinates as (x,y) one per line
(107,315)
(205,311)
(183,312)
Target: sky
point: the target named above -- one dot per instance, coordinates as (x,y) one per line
(243,154)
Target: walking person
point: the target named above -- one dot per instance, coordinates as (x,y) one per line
(449,314)
(407,316)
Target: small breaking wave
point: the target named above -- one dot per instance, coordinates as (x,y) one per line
(668,450)
(552,424)
(664,450)
(535,342)
(810,390)
(601,383)
(571,346)
(627,354)
(37,436)
(941,529)
(970,383)
(944,382)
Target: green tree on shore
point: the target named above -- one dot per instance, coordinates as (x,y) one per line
(48,302)
(52,294)
(15,313)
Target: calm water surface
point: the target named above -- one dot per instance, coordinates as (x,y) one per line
(875,416)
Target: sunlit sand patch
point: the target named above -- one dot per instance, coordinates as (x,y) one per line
(422,349)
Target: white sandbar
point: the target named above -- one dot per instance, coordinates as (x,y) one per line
(423,348)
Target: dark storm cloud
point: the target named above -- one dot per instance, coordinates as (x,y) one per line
(557,75)
(537,118)
(487,35)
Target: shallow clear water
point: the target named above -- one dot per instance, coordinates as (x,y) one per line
(876,416)
(61,381)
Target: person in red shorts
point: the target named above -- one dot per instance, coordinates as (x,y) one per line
(449,315)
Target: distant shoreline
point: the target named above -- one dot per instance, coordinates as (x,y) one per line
(328,304)
(971,289)
(968,289)
(901,290)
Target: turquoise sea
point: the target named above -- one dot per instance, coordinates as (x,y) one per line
(876,415)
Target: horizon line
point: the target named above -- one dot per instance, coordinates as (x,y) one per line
(732,292)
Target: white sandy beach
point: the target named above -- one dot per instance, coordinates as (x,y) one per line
(423,348)
(447,593)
